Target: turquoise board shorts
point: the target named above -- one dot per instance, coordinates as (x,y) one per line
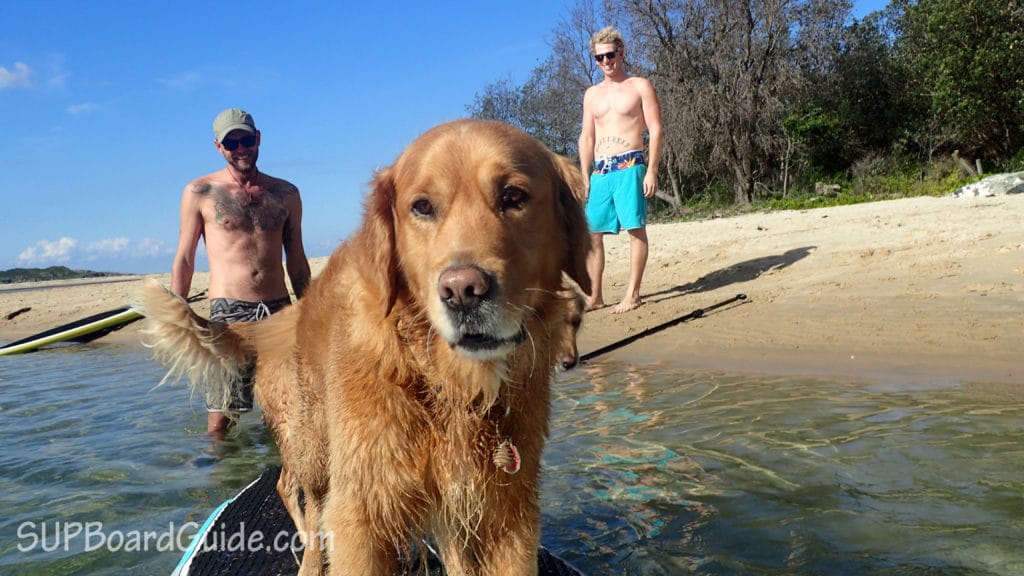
(617,200)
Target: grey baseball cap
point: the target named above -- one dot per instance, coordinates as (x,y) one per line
(232,119)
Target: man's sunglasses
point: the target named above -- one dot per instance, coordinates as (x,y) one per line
(609,55)
(231,144)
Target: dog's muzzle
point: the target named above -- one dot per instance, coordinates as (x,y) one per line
(474,324)
(484,344)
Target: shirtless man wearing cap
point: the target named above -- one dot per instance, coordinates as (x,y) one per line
(617,178)
(245,218)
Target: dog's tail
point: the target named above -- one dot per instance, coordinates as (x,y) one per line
(210,356)
(275,333)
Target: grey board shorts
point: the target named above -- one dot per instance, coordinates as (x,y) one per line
(228,311)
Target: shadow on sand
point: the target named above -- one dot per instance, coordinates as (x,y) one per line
(735,274)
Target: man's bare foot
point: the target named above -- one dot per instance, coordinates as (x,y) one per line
(627,305)
(591,306)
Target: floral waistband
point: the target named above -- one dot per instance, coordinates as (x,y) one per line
(619,162)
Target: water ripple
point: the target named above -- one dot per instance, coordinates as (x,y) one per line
(649,469)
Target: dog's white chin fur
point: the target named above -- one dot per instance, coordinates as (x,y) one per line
(503,332)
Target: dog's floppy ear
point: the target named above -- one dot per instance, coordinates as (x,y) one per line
(378,236)
(577,233)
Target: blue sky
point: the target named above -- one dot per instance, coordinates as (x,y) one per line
(106,108)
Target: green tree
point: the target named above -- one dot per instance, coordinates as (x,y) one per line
(820,138)
(966,60)
(857,106)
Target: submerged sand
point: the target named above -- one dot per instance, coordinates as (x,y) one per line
(912,290)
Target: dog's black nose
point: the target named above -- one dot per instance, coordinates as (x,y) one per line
(463,287)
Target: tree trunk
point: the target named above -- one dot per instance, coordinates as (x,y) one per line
(744,184)
(675,198)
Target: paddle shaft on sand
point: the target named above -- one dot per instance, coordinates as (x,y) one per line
(196,297)
(630,339)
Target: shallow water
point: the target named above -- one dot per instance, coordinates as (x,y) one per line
(650,470)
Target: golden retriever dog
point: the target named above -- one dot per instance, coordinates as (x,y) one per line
(409,388)
(191,347)
(188,344)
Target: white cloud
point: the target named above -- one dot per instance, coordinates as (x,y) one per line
(18,78)
(47,252)
(108,246)
(123,246)
(149,247)
(81,108)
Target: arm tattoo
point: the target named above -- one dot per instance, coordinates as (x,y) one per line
(284,189)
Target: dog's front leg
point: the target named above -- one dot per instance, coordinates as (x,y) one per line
(352,549)
(288,490)
(510,531)
(316,540)
(513,553)
(504,544)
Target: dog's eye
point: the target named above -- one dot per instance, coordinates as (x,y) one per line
(512,198)
(423,207)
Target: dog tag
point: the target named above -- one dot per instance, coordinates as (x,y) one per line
(506,457)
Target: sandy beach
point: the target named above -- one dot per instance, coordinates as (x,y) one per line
(901,291)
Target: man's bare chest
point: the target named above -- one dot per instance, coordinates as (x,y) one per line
(616,102)
(239,212)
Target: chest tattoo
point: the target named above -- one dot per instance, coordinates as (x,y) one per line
(248,212)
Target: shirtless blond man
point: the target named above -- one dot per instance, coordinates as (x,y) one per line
(617,178)
(245,218)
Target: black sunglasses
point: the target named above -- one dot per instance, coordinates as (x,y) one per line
(230,144)
(609,55)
